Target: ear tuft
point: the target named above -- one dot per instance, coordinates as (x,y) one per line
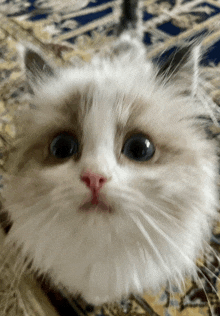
(183,67)
(36,67)
(175,62)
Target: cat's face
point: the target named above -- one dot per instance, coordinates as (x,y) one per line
(145,221)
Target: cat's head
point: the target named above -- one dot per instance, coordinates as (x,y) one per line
(111,185)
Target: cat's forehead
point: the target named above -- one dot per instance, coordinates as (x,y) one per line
(93,105)
(96,111)
(119,94)
(103,74)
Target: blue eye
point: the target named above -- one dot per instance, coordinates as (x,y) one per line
(138,148)
(64,146)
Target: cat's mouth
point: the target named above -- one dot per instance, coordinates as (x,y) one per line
(100,206)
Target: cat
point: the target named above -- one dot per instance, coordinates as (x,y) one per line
(111,184)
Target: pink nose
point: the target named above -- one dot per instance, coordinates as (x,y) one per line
(93,180)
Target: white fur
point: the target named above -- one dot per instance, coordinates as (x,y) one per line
(162,211)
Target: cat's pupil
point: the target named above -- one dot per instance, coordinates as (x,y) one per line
(139,148)
(64,146)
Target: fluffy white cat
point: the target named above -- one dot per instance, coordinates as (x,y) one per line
(111,183)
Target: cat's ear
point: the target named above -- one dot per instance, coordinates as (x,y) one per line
(182,64)
(36,66)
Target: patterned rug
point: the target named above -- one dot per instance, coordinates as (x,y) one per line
(64,30)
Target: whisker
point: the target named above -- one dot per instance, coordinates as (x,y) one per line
(122,195)
(210,308)
(160,231)
(211,272)
(146,235)
(180,278)
(142,229)
(165,236)
(173,244)
(213,288)
(215,253)
(155,226)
